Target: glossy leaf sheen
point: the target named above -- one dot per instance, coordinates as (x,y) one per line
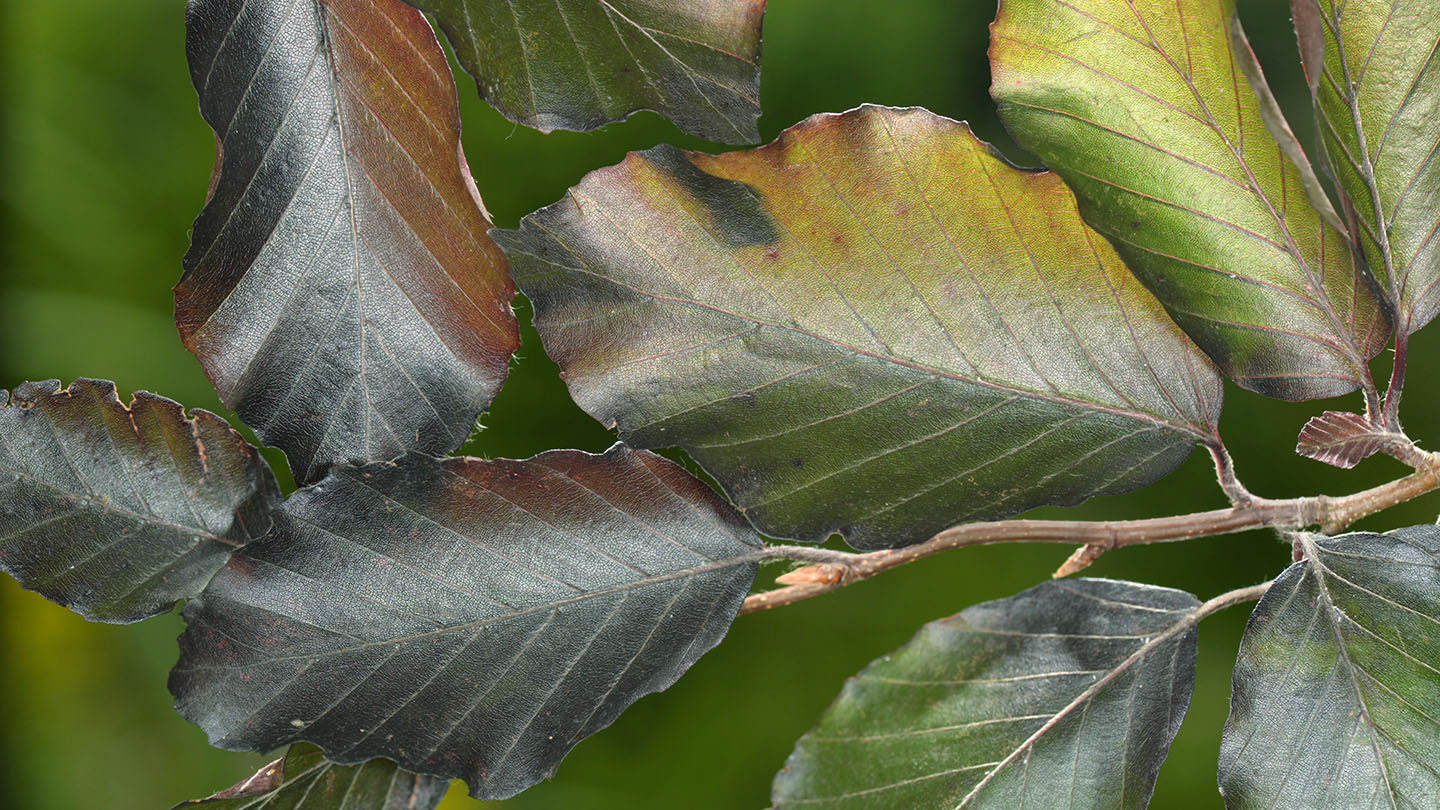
(1378,97)
(304,780)
(340,290)
(1343,439)
(1337,685)
(580,64)
(1146,113)
(1064,696)
(873,326)
(119,512)
(465,618)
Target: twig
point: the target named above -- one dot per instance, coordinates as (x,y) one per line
(1331,514)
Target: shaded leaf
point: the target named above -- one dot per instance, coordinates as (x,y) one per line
(118,512)
(304,780)
(580,64)
(1343,439)
(1336,690)
(1145,111)
(339,289)
(1065,695)
(1377,89)
(465,618)
(873,326)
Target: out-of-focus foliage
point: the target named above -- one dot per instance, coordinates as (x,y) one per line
(105,161)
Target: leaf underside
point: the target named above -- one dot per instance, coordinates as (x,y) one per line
(1147,114)
(340,290)
(581,64)
(465,618)
(1065,695)
(1375,70)
(873,326)
(116,512)
(1336,690)
(304,780)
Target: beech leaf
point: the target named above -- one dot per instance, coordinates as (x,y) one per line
(340,290)
(1147,113)
(1375,70)
(873,326)
(581,64)
(465,618)
(1065,695)
(1343,439)
(118,512)
(304,780)
(1337,686)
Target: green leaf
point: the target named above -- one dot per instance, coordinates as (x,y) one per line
(873,326)
(465,618)
(1065,695)
(1337,686)
(116,512)
(340,290)
(1146,113)
(580,64)
(1375,71)
(304,780)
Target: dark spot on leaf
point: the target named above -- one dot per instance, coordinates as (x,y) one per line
(736,216)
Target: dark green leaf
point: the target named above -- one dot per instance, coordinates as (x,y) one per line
(117,512)
(580,64)
(304,780)
(1147,114)
(465,618)
(1336,690)
(1065,695)
(340,290)
(873,326)
(1375,70)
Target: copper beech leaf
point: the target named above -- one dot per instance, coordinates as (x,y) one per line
(580,64)
(1375,71)
(1065,695)
(340,290)
(1336,689)
(465,618)
(118,512)
(304,779)
(1146,112)
(1343,439)
(873,326)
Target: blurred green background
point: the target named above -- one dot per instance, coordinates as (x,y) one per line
(105,162)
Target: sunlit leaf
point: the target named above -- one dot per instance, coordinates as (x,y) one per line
(873,326)
(304,780)
(580,64)
(465,618)
(1065,695)
(119,512)
(1375,70)
(339,289)
(1146,112)
(1337,686)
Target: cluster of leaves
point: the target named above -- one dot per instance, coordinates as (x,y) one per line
(873,326)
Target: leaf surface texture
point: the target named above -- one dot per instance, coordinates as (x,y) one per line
(873,326)
(1336,689)
(1146,112)
(465,618)
(1066,695)
(117,512)
(339,290)
(1377,91)
(580,64)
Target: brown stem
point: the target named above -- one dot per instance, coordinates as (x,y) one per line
(836,569)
